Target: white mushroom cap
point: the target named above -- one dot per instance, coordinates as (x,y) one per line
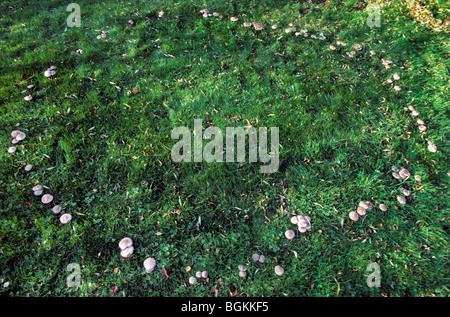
(242,273)
(28,167)
(415,113)
(279,270)
(125,243)
(192,280)
(38,192)
(383,207)
(255,257)
(432,148)
(37,188)
(395,168)
(361,211)
(149,264)
(14,141)
(47,198)
(396,175)
(353,216)
(234,19)
(20,136)
(404,173)
(289,234)
(65,218)
(28,98)
(418,178)
(204,274)
(127,252)
(15,133)
(420,121)
(294,220)
(56,209)
(198,274)
(363,204)
(369,205)
(302,222)
(405,191)
(242,267)
(261,258)
(401,200)
(302,229)
(12,149)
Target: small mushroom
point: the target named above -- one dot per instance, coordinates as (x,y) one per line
(361,211)
(294,220)
(242,274)
(56,209)
(127,252)
(432,147)
(192,280)
(15,133)
(20,136)
(198,274)
(383,207)
(401,200)
(395,168)
(242,267)
(396,175)
(28,167)
(12,149)
(274,27)
(37,188)
(234,19)
(247,24)
(420,121)
(353,216)
(302,229)
(38,192)
(47,198)
(204,274)
(125,243)
(415,113)
(396,76)
(418,178)
(255,257)
(397,88)
(404,173)
(289,234)
(405,191)
(149,264)
(422,128)
(279,270)
(28,98)
(65,218)
(363,204)
(262,258)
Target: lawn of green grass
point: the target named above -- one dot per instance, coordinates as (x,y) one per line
(98,134)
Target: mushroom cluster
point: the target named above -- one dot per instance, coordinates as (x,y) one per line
(242,270)
(258,258)
(126,247)
(303,223)
(361,210)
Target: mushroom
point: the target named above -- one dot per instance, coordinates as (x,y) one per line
(418,178)
(15,133)
(127,252)
(198,274)
(246,24)
(411,108)
(405,191)
(274,27)
(357,47)
(401,200)
(49,73)
(302,229)
(12,149)
(353,216)
(149,264)
(332,47)
(432,147)
(65,218)
(383,207)
(420,121)
(258,27)
(422,128)
(47,198)
(28,167)
(395,168)
(301,221)
(255,257)
(396,76)
(363,204)
(160,14)
(28,98)
(234,19)
(396,175)
(261,258)
(415,113)
(125,243)
(56,209)
(404,173)
(372,52)
(397,88)
(361,211)
(38,192)
(294,220)
(242,267)
(242,274)
(20,136)
(279,270)
(14,141)
(289,234)
(204,274)
(37,188)
(192,280)
(369,205)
